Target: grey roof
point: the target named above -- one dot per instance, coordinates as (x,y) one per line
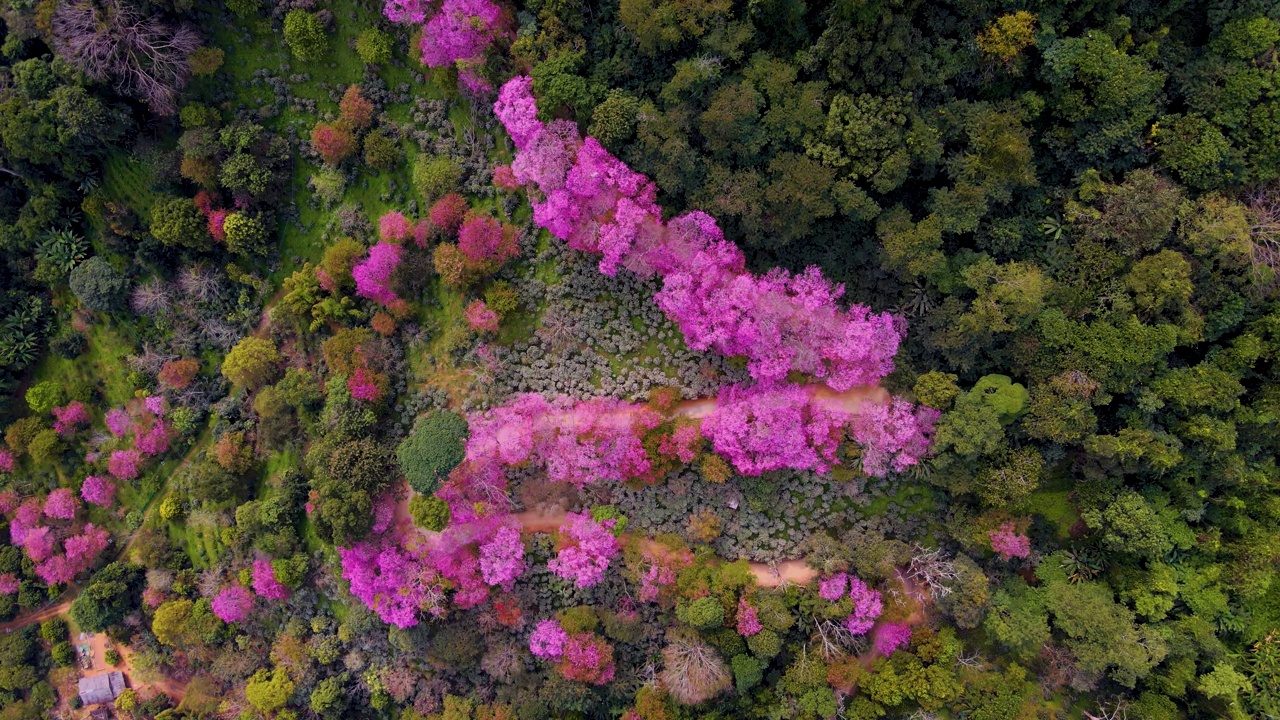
(101,688)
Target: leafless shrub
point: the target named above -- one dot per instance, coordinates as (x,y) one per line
(150,298)
(931,569)
(140,56)
(150,360)
(1264,235)
(200,283)
(693,672)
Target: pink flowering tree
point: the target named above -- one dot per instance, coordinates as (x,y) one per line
(502,558)
(834,587)
(663,564)
(6,462)
(98,490)
(584,657)
(547,641)
(265,584)
(363,385)
(867,606)
(124,464)
(373,274)
(118,421)
(1008,543)
(233,604)
(780,322)
(61,504)
(393,579)
(892,636)
(153,439)
(480,317)
(9,584)
(394,227)
(586,549)
(70,417)
(748,619)
(485,243)
(894,436)
(458,35)
(760,429)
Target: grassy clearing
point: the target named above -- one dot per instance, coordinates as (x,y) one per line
(102,364)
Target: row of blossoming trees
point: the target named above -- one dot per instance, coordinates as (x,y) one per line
(782,323)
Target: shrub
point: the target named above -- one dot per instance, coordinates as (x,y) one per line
(380,151)
(251,363)
(703,613)
(178,222)
(246,235)
(64,655)
(243,8)
(355,109)
(432,450)
(435,176)
(112,656)
(765,644)
(45,446)
(332,142)
(305,35)
(53,630)
(97,285)
(43,397)
(197,115)
(373,46)
(429,512)
(205,61)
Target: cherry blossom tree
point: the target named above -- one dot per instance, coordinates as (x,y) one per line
(588,546)
(373,275)
(1008,543)
(894,436)
(125,464)
(70,417)
(118,421)
(485,242)
(6,461)
(501,558)
(447,213)
(760,429)
(587,658)
(232,604)
(748,620)
(392,579)
(9,584)
(61,504)
(867,606)
(394,227)
(480,317)
(892,636)
(265,584)
(98,490)
(548,640)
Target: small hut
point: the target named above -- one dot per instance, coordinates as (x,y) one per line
(99,689)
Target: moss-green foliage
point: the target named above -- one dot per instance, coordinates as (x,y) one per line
(429,512)
(432,450)
(373,46)
(702,613)
(305,35)
(435,176)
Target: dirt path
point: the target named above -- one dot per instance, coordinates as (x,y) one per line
(35,617)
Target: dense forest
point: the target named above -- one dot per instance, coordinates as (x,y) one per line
(641,359)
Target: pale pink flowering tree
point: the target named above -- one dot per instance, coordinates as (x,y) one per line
(780,322)
(748,619)
(6,462)
(98,490)
(124,464)
(393,580)
(461,31)
(588,548)
(118,421)
(664,564)
(867,606)
(548,640)
(480,317)
(70,417)
(1008,543)
(759,429)
(61,504)
(894,436)
(373,275)
(153,597)
(892,636)
(502,558)
(153,440)
(154,405)
(265,584)
(232,604)
(833,588)
(394,227)
(9,584)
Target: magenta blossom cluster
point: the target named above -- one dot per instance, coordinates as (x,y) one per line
(373,274)
(459,35)
(748,619)
(124,464)
(265,584)
(480,317)
(363,386)
(70,417)
(1008,543)
(894,436)
(232,604)
(394,227)
(547,641)
(9,584)
(61,504)
(867,603)
(780,322)
(118,421)
(154,404)
(98,490)
(577,442)
(892,636)
(502,557)
(394,581)
(589,546)
(761,428)
(153,440)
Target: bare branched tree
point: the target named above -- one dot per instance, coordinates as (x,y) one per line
(140,56)
(693,672)
(150,360)
(200,283)
(1264,235)
(150,298)
(931,569)
(1118,711)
